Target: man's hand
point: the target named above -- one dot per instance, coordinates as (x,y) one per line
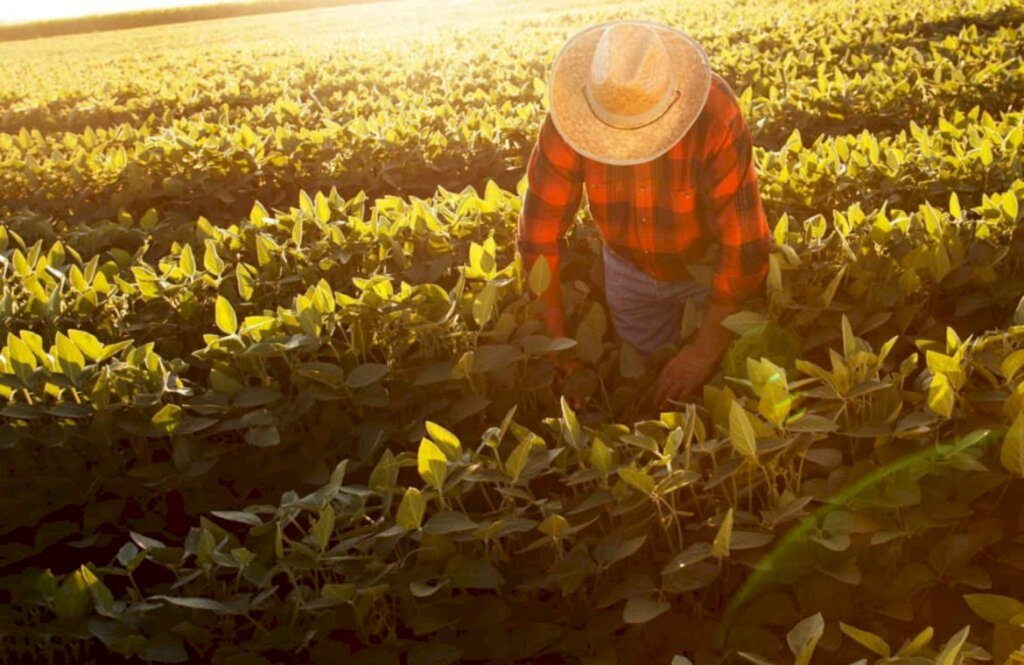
(683,375)
(696,362)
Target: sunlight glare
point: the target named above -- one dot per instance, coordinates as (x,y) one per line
(43,10)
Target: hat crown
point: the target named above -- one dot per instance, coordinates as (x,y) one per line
(630,76)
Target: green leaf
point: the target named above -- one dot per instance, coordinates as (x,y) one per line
(571,429)
(263,437)
(920,641)
(258,214)
(613,548)
(1012,364)
(72,598)
(808,422)
(637,479)
(601,456)
(226,319)
(993,608)
(941,396)
(323,208)
(411,510)
(949,653)
(804,637)
(339,593)
(69,357)
(87,342)
(720,546)
(432,464)
(168,418)
(239,516)
(517,459)
(641,609)
(187,261)
(830,291)
(245,282)
(954,206)
(324,527)
(866,639)
(449,521)
(197,603)
(554,525)
(483,304)
(421,589)
(741,432)
(447,441)
(849,341)
(540,276)
(1011,454)
(494,357)
(1010,205)
(211,259)
(362,376)
(775,402)
(741,322)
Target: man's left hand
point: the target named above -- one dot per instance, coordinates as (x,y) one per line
(683,375)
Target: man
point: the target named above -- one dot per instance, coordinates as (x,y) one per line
(658,140)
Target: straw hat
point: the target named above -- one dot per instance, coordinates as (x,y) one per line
(624,92)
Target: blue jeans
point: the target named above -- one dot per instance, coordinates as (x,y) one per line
(646,312)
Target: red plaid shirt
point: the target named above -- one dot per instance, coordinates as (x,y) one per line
(662,214)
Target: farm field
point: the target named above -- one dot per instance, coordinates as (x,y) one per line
(273,387)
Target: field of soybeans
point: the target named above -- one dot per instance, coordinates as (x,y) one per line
(274,389)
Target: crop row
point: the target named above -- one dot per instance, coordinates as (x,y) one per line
(419,292)
(889,333)
(751,47)
(968,153)
(461,123)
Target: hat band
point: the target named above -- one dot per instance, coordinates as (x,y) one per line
(636,121)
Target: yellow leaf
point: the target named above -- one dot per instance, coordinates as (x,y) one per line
(941,396)
(601,456)
(432,464)
(447,441)
(410,511)
(720,548)
(1012,452)
(225,316)
(869,640)
(554,525)
(741,432)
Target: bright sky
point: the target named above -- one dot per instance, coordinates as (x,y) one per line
(17,11)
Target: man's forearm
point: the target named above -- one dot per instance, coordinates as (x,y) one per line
(713,338)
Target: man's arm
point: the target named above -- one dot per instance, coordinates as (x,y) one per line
(554,188)
(735,215)
(738,220)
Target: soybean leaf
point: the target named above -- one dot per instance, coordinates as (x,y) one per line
(993,608)
(226,319)
(804,637)
(723,539)
(741,432)
(866,639)
(641,609)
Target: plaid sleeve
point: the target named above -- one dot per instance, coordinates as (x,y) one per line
(554,188)
(734,207)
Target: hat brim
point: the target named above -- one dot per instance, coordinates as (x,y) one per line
(593,138)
